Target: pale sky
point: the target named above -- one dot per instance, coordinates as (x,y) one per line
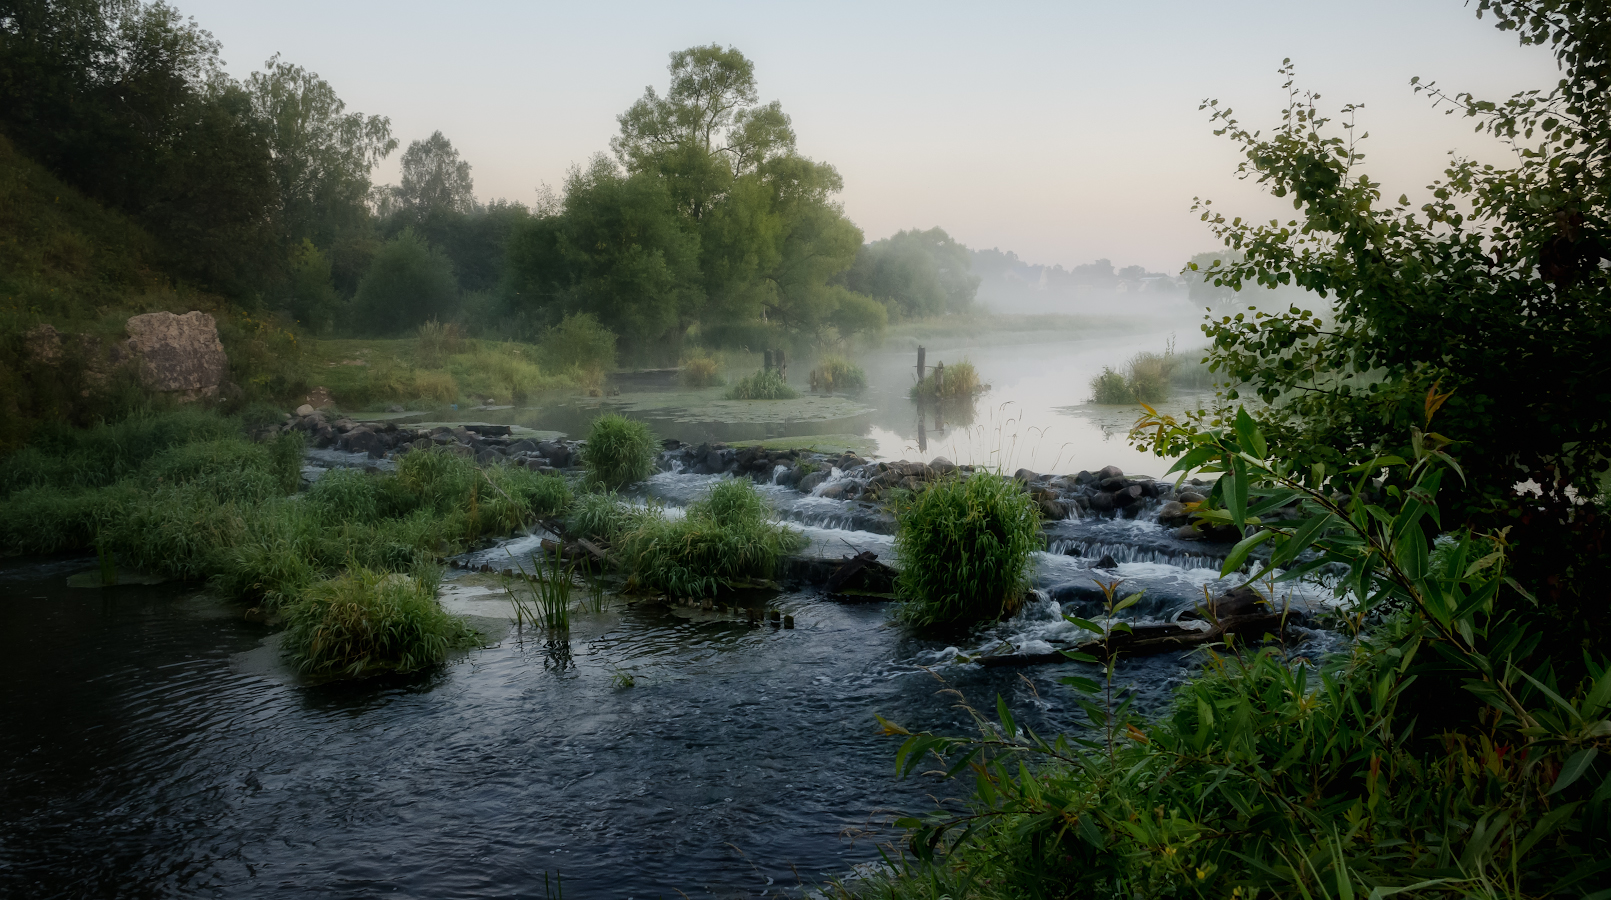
(1062,131)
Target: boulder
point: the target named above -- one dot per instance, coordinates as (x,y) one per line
(488,457)
(178,355)
(304,410)
(1052,509)
(1190,497)
(1102,502)
(942,466)
(1110,472)
(1173,514)
(810,482)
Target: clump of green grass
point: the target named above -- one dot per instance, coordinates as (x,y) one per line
(835,373)
(728,537)
(618,452)
(959,381)
(1146,379)
(602,516)
(363,622)
(964,546)
(699,370)
(763,385)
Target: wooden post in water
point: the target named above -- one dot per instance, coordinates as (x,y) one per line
(920,354)
(782,363)
(939,379)
(767,366)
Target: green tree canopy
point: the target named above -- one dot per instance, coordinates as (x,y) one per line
(916,273)
(1204,282)
(322,154)
(434,179)
(409,284)
(616,248)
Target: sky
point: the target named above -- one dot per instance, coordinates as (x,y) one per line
(1064,132)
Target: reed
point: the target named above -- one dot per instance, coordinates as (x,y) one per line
(618,452)
(958,381)
(763,385)
(835,373)
(964,546)
(547,601)
(699,370)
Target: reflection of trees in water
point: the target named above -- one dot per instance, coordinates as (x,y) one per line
(935,418)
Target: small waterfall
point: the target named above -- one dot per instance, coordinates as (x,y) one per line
(834,477)
(777,472)
(1129,553)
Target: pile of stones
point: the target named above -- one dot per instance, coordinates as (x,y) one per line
(486,444)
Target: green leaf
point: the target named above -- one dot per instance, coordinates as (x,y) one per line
(1236,491)
(1248,434)
(1574,769)
(1241,550)
(1128,602)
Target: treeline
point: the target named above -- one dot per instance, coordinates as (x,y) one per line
(702,221)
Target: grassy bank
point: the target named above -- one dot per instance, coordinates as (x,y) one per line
(184,494)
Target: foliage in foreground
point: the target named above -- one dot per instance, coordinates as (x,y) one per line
(960,381)
(619,451)
(763,385)
(1492,295)
(727,538)
(964,544)
(364,622)
(1442,756)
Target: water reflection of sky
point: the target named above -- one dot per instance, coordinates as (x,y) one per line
(1035,414)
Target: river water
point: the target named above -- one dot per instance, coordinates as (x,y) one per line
(153,746)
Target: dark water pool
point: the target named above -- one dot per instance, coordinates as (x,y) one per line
(150,748)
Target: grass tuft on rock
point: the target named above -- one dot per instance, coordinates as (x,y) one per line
(964,545)
(763,385)
(618,452)
(728,537)
(363,622)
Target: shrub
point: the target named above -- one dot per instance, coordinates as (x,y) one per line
(345,495)
(363,622)
(618,452)
(964,546)
(1446,753)
(1149,377)
(725,538)
(835,373)
(960,381)
(1110,389)
(699,370)
(437,386)
(436,342)
(763,385)
(1146,379)
(579,343)
(408,284)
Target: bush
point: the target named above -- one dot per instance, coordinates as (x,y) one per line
(835,373)
(363,622)
(726,538)
(964,546)
(1445,754)
(763,385)
(1110,389)
(1146,379)
(409,283)
(699,370)
(618,452)
(579,343)
(436,342)
(960,381)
